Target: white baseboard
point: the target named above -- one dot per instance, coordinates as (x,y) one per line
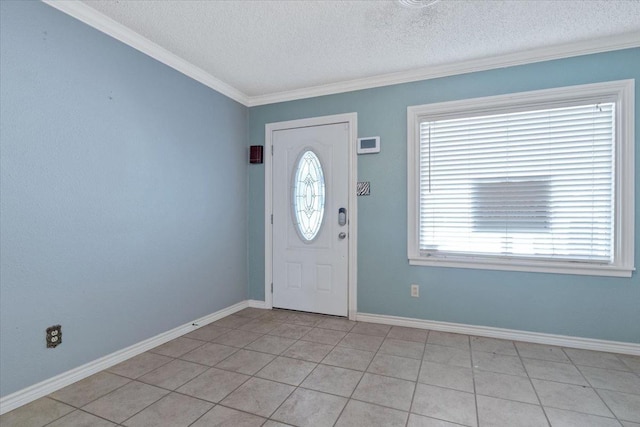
(254,303)
(506,334)
(36,391)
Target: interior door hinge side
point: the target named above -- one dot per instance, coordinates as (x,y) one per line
(271,287)
(271,218)
(272,150)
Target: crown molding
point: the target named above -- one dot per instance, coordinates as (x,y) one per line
(101,22)
(118,31)
(625,41)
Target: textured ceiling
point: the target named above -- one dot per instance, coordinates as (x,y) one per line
(266,47)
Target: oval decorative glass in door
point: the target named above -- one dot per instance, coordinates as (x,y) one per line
(308,195)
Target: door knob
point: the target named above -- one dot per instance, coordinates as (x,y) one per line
(342,235)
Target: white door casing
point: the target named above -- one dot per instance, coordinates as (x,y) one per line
(311,273)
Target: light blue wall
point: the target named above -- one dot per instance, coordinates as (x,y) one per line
(594,307)
(123,195)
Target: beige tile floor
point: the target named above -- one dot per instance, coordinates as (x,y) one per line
(275,368)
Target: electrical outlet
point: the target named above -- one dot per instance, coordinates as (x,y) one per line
(415,291)
(54,336)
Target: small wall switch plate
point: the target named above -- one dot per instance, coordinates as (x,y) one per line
(415,291)
(54,336)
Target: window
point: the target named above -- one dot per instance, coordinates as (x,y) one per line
(535,181)
(308,196)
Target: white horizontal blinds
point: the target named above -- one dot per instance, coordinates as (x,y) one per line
(531,184)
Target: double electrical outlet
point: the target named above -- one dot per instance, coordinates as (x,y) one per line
(54,336)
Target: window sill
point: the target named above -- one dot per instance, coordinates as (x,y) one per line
(526,266)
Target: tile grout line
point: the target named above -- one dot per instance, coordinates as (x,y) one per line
(218,403)
(311,372)
(116,389)
(576,364)
(170,391)
(327,355)
(279,355)
(531,382)
(473,379)
(363,373)
(134,379)
(250,376)
(415,388)
(183,394)
(86,412)
(97,398)
(267,418)
(595,390)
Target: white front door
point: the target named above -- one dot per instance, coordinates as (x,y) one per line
(311,219)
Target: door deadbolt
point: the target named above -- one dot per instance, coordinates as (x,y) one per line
(342,217)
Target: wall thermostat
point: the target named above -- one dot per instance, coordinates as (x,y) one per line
(369,145)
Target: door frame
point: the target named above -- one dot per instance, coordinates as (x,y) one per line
(352,120)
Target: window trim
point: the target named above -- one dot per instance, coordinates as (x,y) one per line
(622,92)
